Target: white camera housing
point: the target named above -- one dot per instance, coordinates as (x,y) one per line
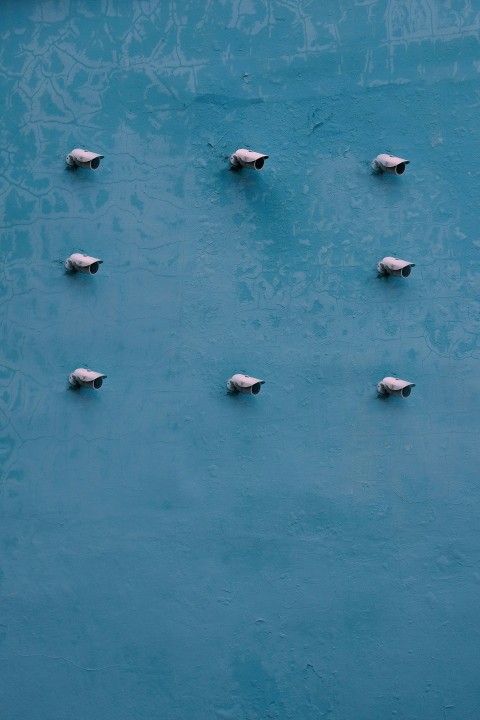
(248,159)
(84,159)
(82,377)
(244,384)
(390,164)
(82,263)
(395,266)
(395,386)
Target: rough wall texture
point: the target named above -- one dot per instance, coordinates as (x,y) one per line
(168,551)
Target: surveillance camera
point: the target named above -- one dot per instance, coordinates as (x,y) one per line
(247,159)
(395,266)
(390,164)
(244,384)
(82,263)
(81,377)
(83,159)
(395,386)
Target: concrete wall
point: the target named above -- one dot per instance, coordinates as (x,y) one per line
(169,551)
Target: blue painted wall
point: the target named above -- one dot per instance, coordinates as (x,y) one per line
(168,551)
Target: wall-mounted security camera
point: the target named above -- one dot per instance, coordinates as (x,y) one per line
(82,263)
(83,159)
(395,266)
(82,377)
(244,384)
(247,159)
(390,164)
(394,386)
